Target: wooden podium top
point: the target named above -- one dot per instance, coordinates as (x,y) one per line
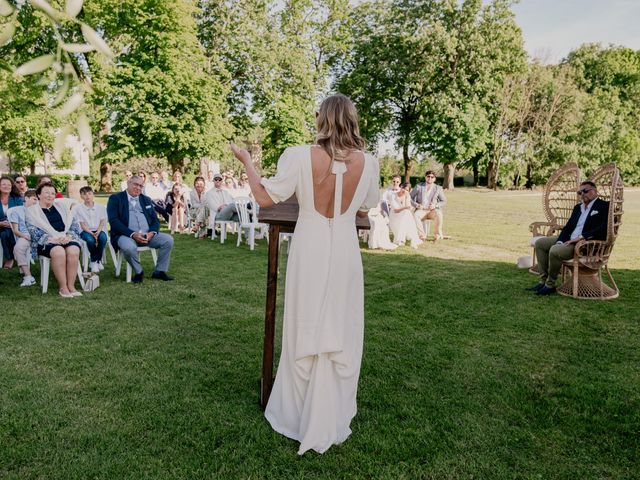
(285,214)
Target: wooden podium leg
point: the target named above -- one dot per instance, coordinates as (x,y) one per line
(270,317)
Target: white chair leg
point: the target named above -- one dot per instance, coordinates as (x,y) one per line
(239,237)
(118,262)
(154,255)
(223,232)
(80,276)
(44,273)
(252,237)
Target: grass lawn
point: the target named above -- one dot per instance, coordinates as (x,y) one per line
(465,375)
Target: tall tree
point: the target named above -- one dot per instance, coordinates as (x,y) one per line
(277,56)
(162,98)
(427,73)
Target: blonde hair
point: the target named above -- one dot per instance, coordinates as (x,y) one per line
(338,131)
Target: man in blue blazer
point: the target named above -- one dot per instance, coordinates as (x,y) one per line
(134,223)
(588,221)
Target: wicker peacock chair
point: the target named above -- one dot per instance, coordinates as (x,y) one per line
(582,276)
(558,200)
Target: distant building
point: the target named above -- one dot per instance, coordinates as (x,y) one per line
(47,165)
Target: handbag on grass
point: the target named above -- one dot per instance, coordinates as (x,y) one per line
(91,282)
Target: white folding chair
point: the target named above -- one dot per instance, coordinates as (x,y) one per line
(250,223)
(120,257)
(224,226)
(426,224)
(45,266)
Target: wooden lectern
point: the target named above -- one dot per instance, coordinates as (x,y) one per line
(281,218)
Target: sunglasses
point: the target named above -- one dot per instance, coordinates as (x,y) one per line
(139,185)
(584,190)
(431,176)
(20,181)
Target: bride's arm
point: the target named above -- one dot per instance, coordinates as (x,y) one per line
(259,192)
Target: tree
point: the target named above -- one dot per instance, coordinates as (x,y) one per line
(427,73)
(162,98)
(277,56)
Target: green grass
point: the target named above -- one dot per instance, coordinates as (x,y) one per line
(465,375)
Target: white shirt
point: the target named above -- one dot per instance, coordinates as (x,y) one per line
(582,220)
(216,197)
(388,194)
(92,216)
(155,192)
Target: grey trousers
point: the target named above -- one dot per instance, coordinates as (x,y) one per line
(550,257)
(161,241)
(228,213)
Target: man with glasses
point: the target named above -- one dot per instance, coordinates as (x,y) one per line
(134,223)
(588,221)
(429,200)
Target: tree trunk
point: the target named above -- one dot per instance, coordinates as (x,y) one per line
(476,173)
(407,161)
(529,182)
(492,174)
(449,172)
(106,177)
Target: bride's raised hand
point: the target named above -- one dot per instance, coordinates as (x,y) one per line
(241,154)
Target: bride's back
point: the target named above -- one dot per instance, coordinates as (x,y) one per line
(324,183)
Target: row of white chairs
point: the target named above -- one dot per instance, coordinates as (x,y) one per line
(246,223)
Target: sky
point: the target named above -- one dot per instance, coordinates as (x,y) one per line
(552,28)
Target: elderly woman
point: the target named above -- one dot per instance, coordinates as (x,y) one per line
(198,209)
(9,197)
(56,234)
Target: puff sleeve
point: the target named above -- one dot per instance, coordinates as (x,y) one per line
(281,186)
(373,189)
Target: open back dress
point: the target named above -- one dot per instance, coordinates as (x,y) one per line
(314,395)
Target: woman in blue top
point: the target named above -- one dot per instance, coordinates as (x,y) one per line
(9,197)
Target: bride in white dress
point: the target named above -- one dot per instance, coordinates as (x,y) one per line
(401,220)
(314,395)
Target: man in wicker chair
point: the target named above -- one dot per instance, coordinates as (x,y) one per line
(588,221)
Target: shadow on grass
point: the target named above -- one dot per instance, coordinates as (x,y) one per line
(464,375)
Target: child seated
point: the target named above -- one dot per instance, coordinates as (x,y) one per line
(93,222)
(22,249)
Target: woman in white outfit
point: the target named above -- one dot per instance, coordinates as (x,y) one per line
(379,232)
(314,395)
(401,218)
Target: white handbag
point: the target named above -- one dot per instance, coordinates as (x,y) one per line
(91,282)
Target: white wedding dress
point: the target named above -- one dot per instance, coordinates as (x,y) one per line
(314,395)
(403,224)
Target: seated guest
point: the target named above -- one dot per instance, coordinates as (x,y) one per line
(123,184)
(175,207)
(429,200)
(22,250)
(208,185)
(47,179)
(177,178)
(164,181)
(388,194)
(156,192)
(199,210)
(93,222)
(133,224)
(220,202)
(588,221)
(379,230)
(9,197)
(55,234)
(21,184)
(401,219)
